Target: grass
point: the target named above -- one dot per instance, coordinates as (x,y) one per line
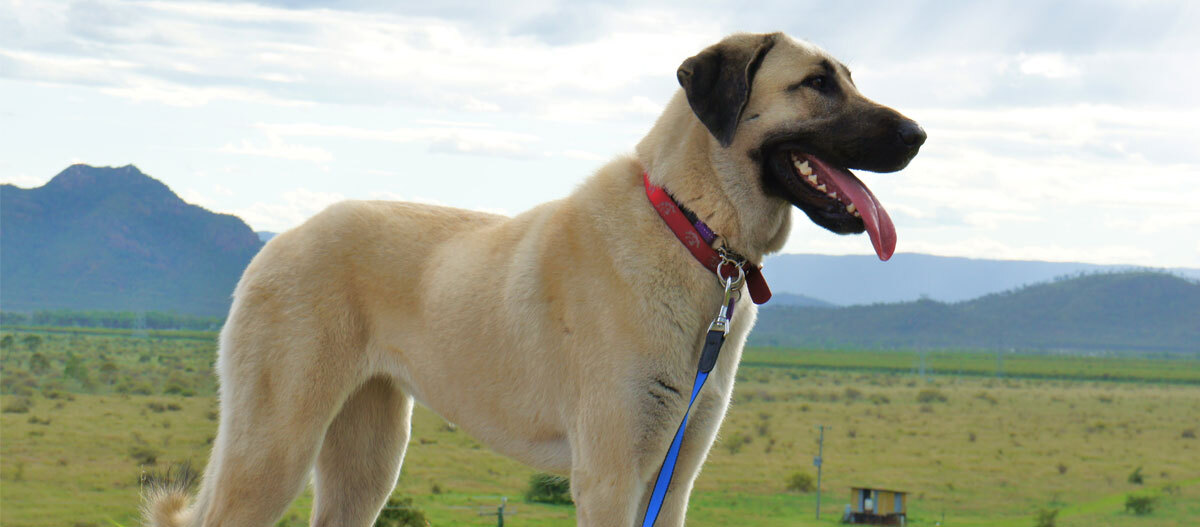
(1179,368)
(993,452)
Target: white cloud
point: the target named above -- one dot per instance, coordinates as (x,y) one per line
(24,180)
(277,148)
(1049,65)
(297,205)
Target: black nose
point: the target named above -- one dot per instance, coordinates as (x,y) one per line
(911,134)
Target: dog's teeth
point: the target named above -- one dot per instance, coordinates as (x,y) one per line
(804,169)
(821,188)
(851,208)
(812,178)
(832,195)
(857,215)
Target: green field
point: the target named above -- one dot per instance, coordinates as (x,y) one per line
(1161,368)
(974,449)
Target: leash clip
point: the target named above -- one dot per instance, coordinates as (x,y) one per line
(731,294)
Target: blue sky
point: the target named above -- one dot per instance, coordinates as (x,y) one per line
(1057,130)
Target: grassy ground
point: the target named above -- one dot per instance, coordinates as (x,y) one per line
(1173,368)
(979,451)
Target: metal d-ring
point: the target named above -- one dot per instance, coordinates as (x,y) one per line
(737,264)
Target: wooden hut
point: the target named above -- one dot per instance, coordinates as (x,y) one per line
(876,506)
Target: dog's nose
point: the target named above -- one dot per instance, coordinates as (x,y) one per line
(911,134)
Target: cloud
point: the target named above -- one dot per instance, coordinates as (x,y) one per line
(297,205)
(1049,65)
(441,137)
(277,148)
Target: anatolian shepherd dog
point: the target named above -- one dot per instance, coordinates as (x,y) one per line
(566,337)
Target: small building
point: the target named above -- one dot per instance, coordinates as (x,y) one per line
(875,506)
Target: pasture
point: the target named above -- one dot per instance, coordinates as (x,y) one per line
(83,421)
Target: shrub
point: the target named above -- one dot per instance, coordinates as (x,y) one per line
(1062,469)
(878,398)
(1189,434)
(1140,505)
(144,455)
(17,405)
(800,482)
(1045,518)
(546,488)
(735,442)
(930,395)
(852,394)
(400,512)
(1136,477)
(984,396)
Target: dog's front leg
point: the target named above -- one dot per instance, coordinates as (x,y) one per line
(608,475)
(701,432)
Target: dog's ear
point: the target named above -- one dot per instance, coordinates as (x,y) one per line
(717,82)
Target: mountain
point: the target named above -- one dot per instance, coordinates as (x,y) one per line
(108,238)
(1134,311)
(851,280)
(792,299)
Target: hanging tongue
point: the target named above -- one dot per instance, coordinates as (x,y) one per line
(878,223)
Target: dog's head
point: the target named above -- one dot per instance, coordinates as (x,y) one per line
(788,113)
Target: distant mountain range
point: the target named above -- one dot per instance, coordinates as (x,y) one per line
(117,239)
(1136,311)
(852,280)
(102,238)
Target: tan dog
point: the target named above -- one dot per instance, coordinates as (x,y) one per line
(566,337)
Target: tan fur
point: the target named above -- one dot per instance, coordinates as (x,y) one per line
(541,335)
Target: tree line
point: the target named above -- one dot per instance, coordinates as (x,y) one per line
(111,319)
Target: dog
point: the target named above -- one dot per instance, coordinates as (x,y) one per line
(566,337)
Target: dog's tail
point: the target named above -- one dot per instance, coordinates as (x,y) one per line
(165,497)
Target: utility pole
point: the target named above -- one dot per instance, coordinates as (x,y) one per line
(817,461)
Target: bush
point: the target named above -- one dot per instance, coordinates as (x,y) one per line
(144,455)
(546,488)
(1045,518)
(1135,477)
(400,512)
(800,482)
(17,405)
(930,395)
(735,442)
(1140,505)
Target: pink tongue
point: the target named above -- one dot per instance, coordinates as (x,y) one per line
(878,223)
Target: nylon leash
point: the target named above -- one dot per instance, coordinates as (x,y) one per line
(708,359)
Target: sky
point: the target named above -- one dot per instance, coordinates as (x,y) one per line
(1065,131)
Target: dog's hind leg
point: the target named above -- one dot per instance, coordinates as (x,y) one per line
(361,455)
(280,390)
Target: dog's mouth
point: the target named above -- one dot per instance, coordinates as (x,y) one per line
(832,197)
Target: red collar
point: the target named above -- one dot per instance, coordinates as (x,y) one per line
(694,241)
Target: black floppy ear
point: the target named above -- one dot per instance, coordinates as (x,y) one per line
(717,82)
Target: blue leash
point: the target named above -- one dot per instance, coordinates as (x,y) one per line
(708,359)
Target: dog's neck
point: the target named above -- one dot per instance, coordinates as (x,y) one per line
(681,156)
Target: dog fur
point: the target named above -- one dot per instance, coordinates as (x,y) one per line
(566,337)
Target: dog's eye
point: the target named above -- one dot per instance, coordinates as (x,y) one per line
(817,82)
